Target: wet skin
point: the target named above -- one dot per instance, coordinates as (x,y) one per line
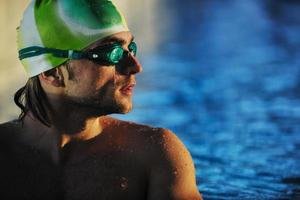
(27,170)
(125,161)
(87,155)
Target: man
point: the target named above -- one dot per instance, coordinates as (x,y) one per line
(81,60)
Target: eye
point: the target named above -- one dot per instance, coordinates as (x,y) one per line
(133,48)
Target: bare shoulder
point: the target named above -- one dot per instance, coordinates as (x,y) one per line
(9,125)
(168,163)
(8,129)
(171,171)
(144,133)
(158,140)
(159,146)
(131,127)
(9,136)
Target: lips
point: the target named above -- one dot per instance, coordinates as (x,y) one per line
(127,89)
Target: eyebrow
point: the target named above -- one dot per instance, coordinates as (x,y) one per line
(108,41)
(115,40)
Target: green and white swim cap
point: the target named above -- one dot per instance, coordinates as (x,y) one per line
(65,25)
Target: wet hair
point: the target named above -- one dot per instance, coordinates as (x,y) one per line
(32,98)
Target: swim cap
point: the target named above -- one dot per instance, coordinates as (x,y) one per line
(65,25)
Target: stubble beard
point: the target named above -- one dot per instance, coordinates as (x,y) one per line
(104,103)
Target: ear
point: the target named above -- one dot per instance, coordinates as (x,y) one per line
(53,77)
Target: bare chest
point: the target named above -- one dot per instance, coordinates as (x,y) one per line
(110,176)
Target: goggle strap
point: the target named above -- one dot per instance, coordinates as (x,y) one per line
(36,51)
(71,54)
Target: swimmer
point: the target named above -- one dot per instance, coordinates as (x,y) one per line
(81,62)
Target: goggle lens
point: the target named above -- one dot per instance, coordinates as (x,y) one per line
(133,48)
(115,55)
(112,54)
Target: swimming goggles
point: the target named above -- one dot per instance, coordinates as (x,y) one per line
(110,54)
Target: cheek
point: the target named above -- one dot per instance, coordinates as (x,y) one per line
(90,78)
(104,76)
(118,78)
(83,81)
(86,79)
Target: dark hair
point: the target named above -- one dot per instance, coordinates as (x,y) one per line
(32,98)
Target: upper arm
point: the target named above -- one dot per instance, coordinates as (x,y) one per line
(172,173)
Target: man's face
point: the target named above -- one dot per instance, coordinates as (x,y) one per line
(102,88)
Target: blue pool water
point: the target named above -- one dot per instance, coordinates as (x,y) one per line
(226,79)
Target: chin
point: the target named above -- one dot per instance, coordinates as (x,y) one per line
(123,103)
(125,108)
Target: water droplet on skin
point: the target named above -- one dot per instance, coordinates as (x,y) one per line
(105,122)
(154,129)
(144,129)
(124,183)
(165,146)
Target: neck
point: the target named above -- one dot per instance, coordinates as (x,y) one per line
(69,123)
(80,129)
(40,137)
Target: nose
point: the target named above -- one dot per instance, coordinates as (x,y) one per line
(130,65)
(136,65)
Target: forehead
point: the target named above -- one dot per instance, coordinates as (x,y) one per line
(123,38)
